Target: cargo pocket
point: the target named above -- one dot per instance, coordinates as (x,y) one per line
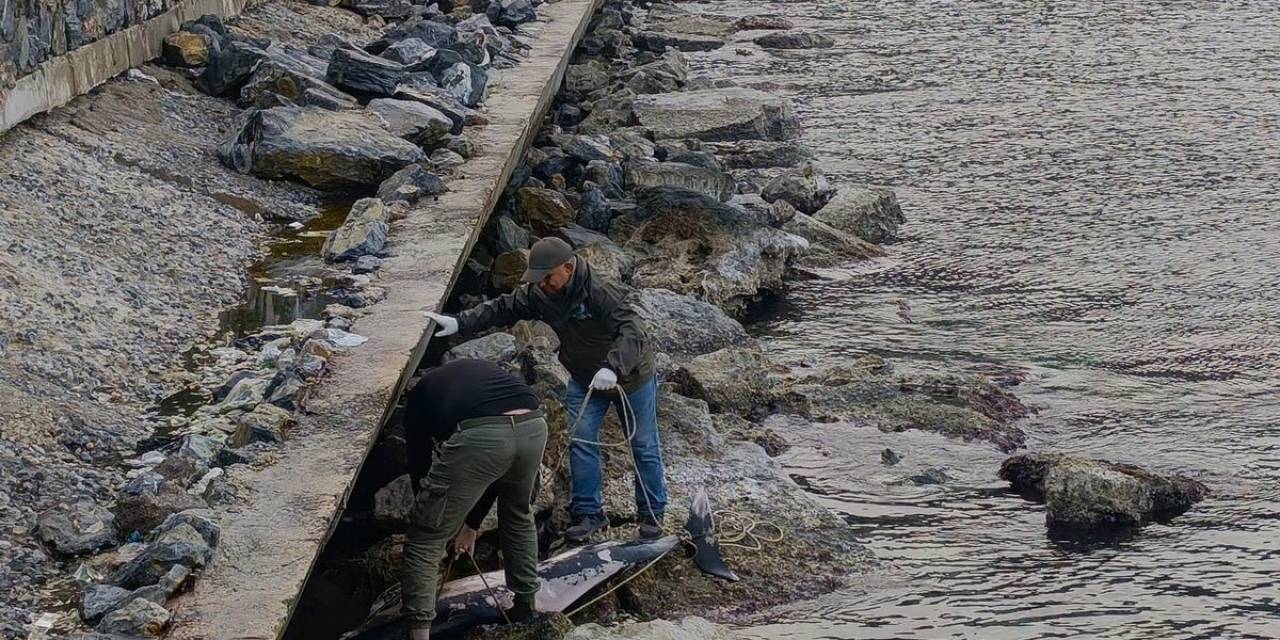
(428,513)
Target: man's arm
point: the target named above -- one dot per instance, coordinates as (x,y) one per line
(503,311)
(629,336)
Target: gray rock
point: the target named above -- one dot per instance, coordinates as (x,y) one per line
(77,528)
(795,40)
(246,393)
(495,347)
(511,13)
(932,475)
(324,47)
(462,146)
(508,269)
(201,449)
(732,380)
(593,210)
(645,175)
(633,145)
(806,189)
(660,41)
(97,600)
(681,325)
(1082,494)
(717,115)
(609,114)
(364,232)
(393,504)
(229,68)
(410,52)
(234,379)
(410,184)
(289,392)
(181,545)
(431,32)
(147,509)
(365,264)
(389,9)
(325,149)
(510,236)
(871,213)
(266,423)
(139,617)
(364,73)
(412,120)
(202,520)
(609,177)
(586,149)
(466,82)
(755,208)
(760,154)
(585,78)
(664,75)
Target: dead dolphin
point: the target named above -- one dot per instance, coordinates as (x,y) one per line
(702,529)
(565,579)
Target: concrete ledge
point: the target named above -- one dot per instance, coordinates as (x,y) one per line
(273,536)
(56,81)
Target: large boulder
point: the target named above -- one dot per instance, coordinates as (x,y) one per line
(292,77)
(712,182)
(1083,495)
(543,209)
(717,115)
(78,527)
(806,189)
(871,213)
(363,233)
(325,149)
(97,600)
(181,545)
(412,120)
(692,243)
(411,184)
(681,325)
(732,380)
(587,77)
(364,73)
(795,40)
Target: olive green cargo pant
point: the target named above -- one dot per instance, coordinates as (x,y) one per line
(503,451)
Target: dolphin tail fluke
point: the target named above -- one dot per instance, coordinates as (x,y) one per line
(702,529)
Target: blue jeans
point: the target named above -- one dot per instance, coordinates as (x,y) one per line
(585,465)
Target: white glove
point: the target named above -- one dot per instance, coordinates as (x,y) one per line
(605,380)
(447,325)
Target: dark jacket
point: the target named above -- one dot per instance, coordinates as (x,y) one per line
(592,316)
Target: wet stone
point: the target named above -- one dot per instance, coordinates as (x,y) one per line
(508,269)
(806,189)
(139,617)
(366,264)
(181,545)
(393,503)
(660,41)
(544,209)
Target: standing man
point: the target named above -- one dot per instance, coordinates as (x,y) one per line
(604,347)
(489,435)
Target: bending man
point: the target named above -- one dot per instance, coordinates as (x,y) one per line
(489,436)
(603,345)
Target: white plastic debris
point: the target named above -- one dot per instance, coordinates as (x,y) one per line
(134,74)
(295,225)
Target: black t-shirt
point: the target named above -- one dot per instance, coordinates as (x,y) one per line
(453,392)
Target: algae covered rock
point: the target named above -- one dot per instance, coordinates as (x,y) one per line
(806,189)
(829,246)
(712,182)
(717,115)
(325,149)
(732,380)
(1082,494)
(682,325)
(544,209)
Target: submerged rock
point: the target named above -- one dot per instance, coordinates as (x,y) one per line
(795,40)
(717,115)
(325,149)
(871,213)
(364,232)
(688,629)
(1082,494)
(76,528)
(806,189)
(660,41)
(760,154)
(681,325)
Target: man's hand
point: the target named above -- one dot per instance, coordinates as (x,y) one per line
(605,380)
(446,325)
(465,542)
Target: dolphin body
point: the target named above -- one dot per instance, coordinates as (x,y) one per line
(564,579)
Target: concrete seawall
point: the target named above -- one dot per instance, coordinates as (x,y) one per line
(57,80)
(272,537)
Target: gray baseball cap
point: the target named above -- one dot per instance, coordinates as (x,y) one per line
(545,255)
